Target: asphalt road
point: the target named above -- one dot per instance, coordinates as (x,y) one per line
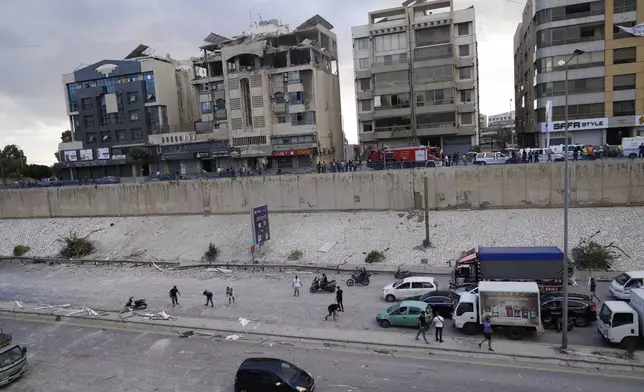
(261,296)
(65,358)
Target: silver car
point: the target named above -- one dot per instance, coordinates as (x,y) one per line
(490,158)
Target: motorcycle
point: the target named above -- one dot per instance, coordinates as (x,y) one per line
(360,277)
(139,304)
(317,285)
(400,274)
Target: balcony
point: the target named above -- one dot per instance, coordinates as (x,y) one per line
(279,107)
(220,114)
(465,85)
(464,62)
(465,107)
(363,74)
(392,111)
(366,116)
(368,94)
(434,129)
(393,132)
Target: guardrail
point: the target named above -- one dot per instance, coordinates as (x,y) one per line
(135,263)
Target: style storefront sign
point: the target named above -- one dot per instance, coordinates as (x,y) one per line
(575,125)
(290,153)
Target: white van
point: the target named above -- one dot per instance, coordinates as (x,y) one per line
(621,286)
(559,149)
(543,154)
(631,146)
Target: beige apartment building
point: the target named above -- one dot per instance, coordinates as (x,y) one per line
(606,81)
(416,77)
(273,94)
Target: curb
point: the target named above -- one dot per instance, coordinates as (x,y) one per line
(595,363)
(306,267)
(135,263)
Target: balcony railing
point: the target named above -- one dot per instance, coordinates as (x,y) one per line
(436,125)
(434,103)
(390,107)
(394,128)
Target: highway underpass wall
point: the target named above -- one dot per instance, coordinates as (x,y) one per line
(597,183)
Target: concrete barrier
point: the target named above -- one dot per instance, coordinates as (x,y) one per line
(597,183)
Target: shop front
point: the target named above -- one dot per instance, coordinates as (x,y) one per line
(211,161)
(591,131)
(96,168)
(292,159)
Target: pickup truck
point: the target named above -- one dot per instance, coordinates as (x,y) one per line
(13,359)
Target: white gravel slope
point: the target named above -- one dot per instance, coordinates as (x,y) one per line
(185,238)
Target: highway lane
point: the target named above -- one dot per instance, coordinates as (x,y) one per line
(66,357)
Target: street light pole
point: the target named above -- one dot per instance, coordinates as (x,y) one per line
(564,312)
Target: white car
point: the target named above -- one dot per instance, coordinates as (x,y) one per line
(490,158)
(621,286)
(409,287)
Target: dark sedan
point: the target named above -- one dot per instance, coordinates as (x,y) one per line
(441,302)
(581,308)
(271,374)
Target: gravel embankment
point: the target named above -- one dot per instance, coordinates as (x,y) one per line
(399,235)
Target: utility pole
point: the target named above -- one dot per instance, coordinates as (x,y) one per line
(426,243)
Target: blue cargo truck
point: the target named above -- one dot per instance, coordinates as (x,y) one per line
(540,264)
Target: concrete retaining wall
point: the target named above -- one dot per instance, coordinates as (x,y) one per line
(505,186)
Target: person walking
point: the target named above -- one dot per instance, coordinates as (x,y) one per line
(338,299)
(297,283)
(230,295)
(174,296)
(208,295)
(593,287)
(333,311)
(439,322)
(487,332)
(423,326)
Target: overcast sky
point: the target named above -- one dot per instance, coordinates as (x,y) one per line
(42,39)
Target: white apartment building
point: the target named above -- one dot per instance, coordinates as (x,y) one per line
(273,94)
(416,77)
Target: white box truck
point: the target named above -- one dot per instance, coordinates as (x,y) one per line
(622,323)
(511,306)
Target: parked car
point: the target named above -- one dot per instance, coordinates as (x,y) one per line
(441,302)
(108,180)
(581,308)
(490,158)
(271,374)
(402,314)
(409,287)
(621,285)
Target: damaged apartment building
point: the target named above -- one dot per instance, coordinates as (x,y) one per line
(416,77)
(272,94)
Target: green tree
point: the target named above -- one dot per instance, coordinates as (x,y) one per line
(66,136)
(37,172)
(139,154)
(12,158)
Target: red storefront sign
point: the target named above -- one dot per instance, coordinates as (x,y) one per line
(290,153)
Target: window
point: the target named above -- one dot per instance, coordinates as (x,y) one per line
(137,134)
(439,72)
(281,119)
(304,118)
(414,311)
(390,59)
(393,101)
(467,118)
(365,84)
(106,136)
(206,107)
(134,116)
(464,50)
(428,285)
(464,307)
(90,138)
(576,86)
(623,108)
(435,97)
(624,82)
(87,103)
(463,28)
(220,104)
(88,121)
(150,87)
(367,128)
(362,43)
(570,35)
(436,120)
(401,310)
(391,77)
(121,135)
(573,11)
(416,285)
(585,60)
(132,97)
(465,73)
(403,286)
(466,95)
(433,52)
(279,97)
(296,98)
(363,63)
(620,319)
(621,6)
(624,55)
(575,112)
(618,33)
(365,105)
(386,43)
(433,36)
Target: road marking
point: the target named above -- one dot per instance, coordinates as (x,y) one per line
(398,354)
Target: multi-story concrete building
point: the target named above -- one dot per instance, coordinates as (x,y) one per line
(273,94)
(606,81)
(416,76)
(116,105)
(500,131)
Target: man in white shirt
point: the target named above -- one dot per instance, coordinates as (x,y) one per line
(439,322)
(297,283)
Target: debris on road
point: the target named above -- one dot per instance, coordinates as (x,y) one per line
(186,334)
(54,307)
(90,312)
(18,303)
(222,270)
(127,314)
(162,315)
(233,337)
(157,267)
(326,247)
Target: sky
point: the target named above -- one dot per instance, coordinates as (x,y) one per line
(41,40)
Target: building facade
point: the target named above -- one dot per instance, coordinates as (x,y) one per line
(499,132)
(273,95)
(605,82)
(416,77)
(115,106)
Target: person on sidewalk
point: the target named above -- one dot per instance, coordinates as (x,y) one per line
(174,296)
(593,287)
(333,311)
(230,295)
(423,326)
(297,283)
(439,322)
(487,332)
(208,295)
(338,299)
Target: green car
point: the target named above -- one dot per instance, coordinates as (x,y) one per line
(403,314)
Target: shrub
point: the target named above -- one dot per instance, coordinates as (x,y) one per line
(20,250)
(212,252)
(295,255)
(76,247)
(589,254)
(375,256)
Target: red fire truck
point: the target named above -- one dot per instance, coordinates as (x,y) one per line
(404,157)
